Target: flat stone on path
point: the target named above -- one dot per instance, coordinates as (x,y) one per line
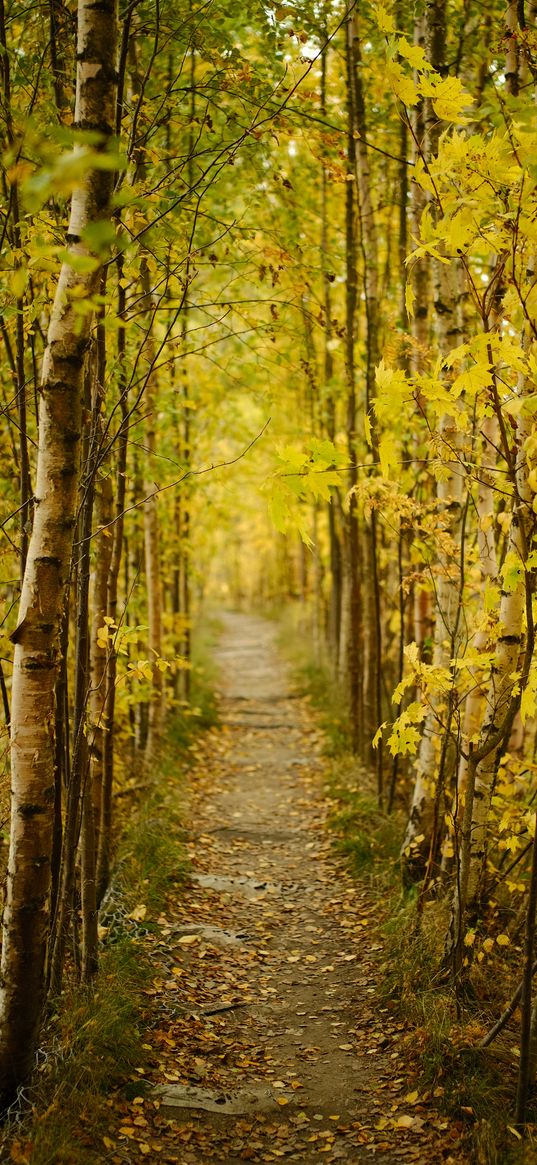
(254,1099)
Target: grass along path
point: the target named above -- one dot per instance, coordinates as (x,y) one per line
(262,1012)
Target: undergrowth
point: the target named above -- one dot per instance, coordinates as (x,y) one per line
(368,837)
(91,1044)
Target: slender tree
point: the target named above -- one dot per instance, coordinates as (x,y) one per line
(26,915)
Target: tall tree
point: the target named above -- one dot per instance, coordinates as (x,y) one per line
(37,657)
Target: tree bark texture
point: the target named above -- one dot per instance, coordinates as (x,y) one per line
(37,658)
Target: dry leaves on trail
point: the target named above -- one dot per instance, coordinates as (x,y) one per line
(266,974)
(204,1029)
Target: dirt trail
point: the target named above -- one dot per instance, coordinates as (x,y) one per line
(265,1020)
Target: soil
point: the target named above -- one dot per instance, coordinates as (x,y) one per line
(268,1037)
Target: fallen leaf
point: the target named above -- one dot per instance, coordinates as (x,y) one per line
(139,913)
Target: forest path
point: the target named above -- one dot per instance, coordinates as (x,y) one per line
(264,1020)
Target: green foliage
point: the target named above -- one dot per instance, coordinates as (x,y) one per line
(368,838)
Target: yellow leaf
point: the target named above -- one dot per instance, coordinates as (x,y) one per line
(186,940)
(488,945)
(412,53)
(401,84)
(18,281)
(460,231)
(378,735)
(469,938)
(387,454)
(282,1100)
(139,913)
(385,21)
(491,596)
(449,97)
(472,380)
(503,940)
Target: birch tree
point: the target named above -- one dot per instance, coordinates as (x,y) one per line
(36,637)
(420,842)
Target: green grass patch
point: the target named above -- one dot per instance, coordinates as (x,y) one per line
(201,712)
(367,836)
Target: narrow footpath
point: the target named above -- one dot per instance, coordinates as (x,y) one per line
(268,1040)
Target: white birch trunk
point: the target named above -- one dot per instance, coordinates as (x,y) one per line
(447,631)
(508,649)
(446,637)
(501,704)
(26,915)
(489,572)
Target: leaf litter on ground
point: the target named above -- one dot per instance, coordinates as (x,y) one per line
(291,1003)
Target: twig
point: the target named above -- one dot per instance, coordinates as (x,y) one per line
(505,1016)
(225,1007)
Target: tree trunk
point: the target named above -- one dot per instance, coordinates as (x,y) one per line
(99,655)
(436,756)
(109,696)
(417,840)
(36,662)
(151,530)
(353,607)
